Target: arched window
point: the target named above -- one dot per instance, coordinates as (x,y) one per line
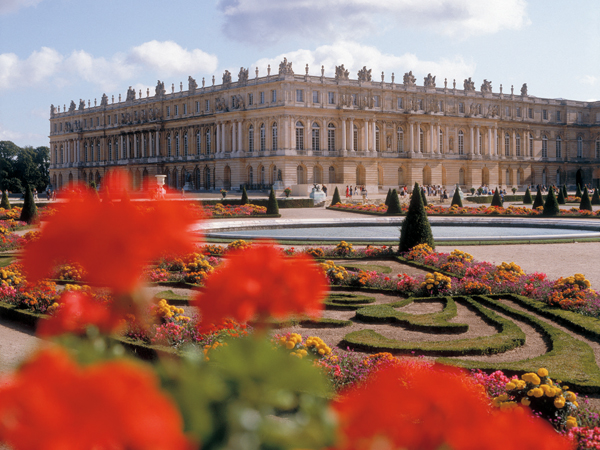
(400,176)
(299,136)
(109,151)
(116,149)
(421,140)
(62,154)
(558,177)
(263,137)
(300,178)
(544,147)
(169,145)
(518,144)
(377,140)
(176,145)
(317,175)
(331,174)
(506,145)
(579,147)
(597,148)
(461,176)
(559,147)
(316,136)
(208,142)
(480,142)
(198,146)
(400,144)
(185,145)
(355,138)
(530,144)
(98,150)
(250,176)
(331,138)
(461,143)
(262,175)
(519,177)
(251,138)
(508,183)
(441,142)
(274,136)
(85,153)
(137,148)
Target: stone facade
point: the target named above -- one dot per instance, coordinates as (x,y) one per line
(304,129)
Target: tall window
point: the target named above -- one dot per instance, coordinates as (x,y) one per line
(251,138)
(377,100)
(331,97)
(579,147)
(558,116)
(400,103)
(85,154)
(597,148)
(98,151)
(355,138)
(168,145)
(331,137)
(176,110)
(137,148)
(299,95)
(109,151)
(208,141)
(508,183)
(185,145)
(506,145)
(558,147)
(176,145)
(544,147)
(441,143)
(530,144)
(518,144)
(315,96)
(198,142)
(518,111)
(207,105)
(316,136)
(421,140)
(274,136)
(400,137)
(480,143)
(299,136)
(530,113)
(273,96)
(168,111)
(461,143)
(263,137)
(250,99)
(262,97)
(377,140)
(116,149)
(461,108)
(197,107)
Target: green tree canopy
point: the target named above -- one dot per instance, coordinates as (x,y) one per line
(22,167)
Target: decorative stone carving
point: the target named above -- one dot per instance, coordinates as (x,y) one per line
(486,87)
(81,105)
(341,73)
(192,85)
(72,106)
(237,102)
(243,76)
(468,85)
(285,67)
(220,104)
(364,74)
(226,78)
(409,79)
(524,90)
(52,110)
(160,90)
(130,94)
(104,100)
(429,81)
(345,100)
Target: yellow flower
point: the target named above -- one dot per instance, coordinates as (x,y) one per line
(570,396)
(537,392)
(542,372)
(525,401)
(559,402)
(510,386)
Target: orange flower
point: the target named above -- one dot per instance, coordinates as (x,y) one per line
(113,242)
(417,406)
(76,312)
(53,403)
(261,281)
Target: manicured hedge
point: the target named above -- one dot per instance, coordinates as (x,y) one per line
(282,202)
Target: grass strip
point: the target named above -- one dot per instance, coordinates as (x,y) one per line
(346,302)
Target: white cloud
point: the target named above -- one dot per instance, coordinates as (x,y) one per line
(588,79)
(21,139)
(9,6)
(354,56)
(261,21)
(164,59)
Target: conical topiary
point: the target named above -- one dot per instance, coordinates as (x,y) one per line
(578,193)
(245,196)
(496,200)
(272,205)
(596,197)
(565,193)
(456,200)
(336,197)
(560,198)
(551,206)
(527,200)
(387,197)
(394,206)
(6,204)
(585,204)
(539,201)
(424,197)
(29,211)
(415,226)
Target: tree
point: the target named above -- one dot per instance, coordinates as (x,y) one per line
(387,198)
(551,207)
(585,204)
(244,196)
(20,167)
(539,201)
(394,206)
(336,197)
(527,200)
(456,200)
(423,197)
(496,200)
(565,193)
(272,205)
(561,198)
(29,211)
(596,197)
(578,193)
(5,203)
(415,226)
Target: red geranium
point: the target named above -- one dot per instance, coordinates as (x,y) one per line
(261,281)
(52,403)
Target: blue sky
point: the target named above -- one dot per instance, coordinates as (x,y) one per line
(55,51)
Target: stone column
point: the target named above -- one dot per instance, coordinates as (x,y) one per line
(437,139)
(135,145)
(490,148)
(344,135)
(218,148)
(411,140)
(233,137)
(352,135)
(366,136)
(513,144)
(472,147)
(496,146)
(292,133)
(239,129)
(477,134)
(157,144)
(128,155)
(222,138)
(432,143)
(121,148)
(373,136)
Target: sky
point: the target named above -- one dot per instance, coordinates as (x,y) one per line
(55,51)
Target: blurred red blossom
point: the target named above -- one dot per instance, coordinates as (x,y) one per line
(422,407)
(52,403)
(261,281)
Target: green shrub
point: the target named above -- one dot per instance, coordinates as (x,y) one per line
(387,197)
(272,206)
(564,189)
(6,204)
(596,197)
(394,206)
(539,201)
(336,197)
(244,196)
(578,193)
(423,197)
(551,206)
(415,226)
(561,199)
(496,200)
(527,200)
(29,212)
(585,204)
(456,200)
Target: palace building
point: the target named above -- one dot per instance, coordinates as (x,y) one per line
(293,130)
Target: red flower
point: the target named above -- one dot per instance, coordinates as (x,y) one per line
(113,242)
(76,312)
(52,403)
(261,281)
(414,406)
